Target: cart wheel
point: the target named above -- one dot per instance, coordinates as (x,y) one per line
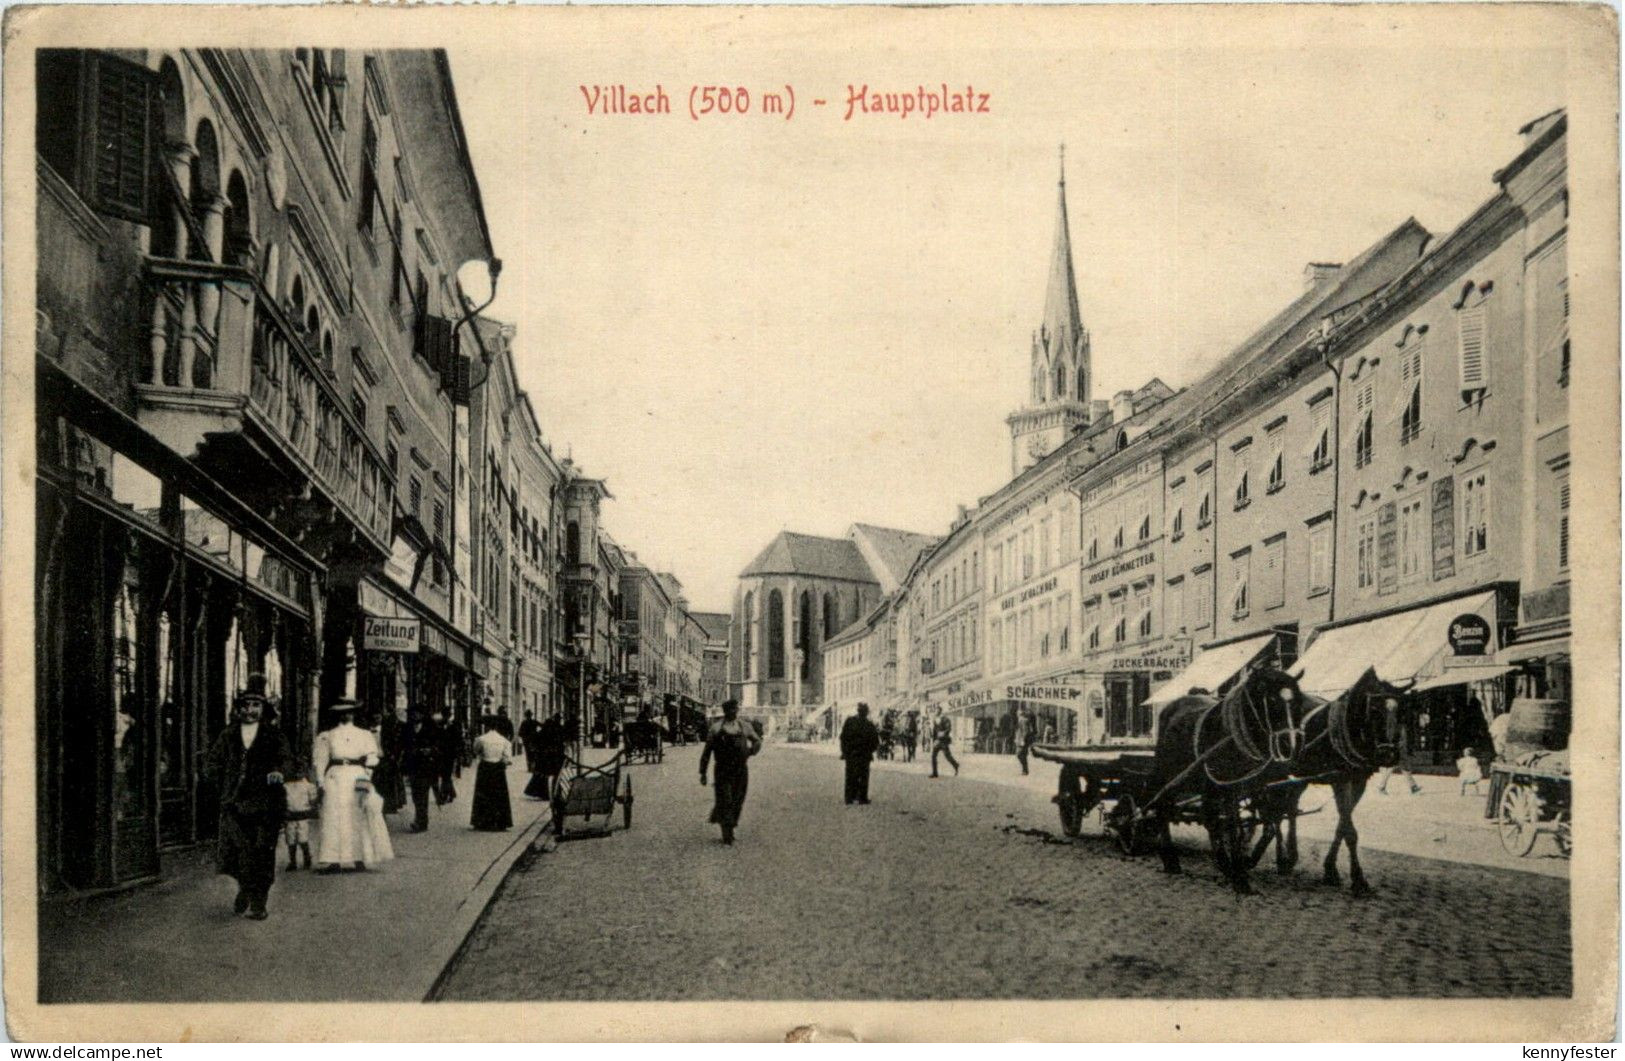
(1519,812)
(1124,822)
(1071,808)
(626,805)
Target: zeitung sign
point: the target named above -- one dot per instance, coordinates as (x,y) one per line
(391,635)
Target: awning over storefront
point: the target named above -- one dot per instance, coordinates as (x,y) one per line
(1555,646)
(1403,647)
(1211,668)
(1461,676)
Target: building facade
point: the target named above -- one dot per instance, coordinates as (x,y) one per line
(243,261)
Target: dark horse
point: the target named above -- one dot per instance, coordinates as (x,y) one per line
(1345,741)
(1222,752)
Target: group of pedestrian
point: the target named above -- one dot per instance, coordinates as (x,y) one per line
(544,745)
(342,794)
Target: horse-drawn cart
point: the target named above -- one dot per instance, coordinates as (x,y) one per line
(643,742)
(1531,796)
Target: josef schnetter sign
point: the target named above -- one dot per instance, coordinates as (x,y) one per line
(391,635)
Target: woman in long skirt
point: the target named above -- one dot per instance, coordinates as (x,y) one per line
(353,831)
(492,812)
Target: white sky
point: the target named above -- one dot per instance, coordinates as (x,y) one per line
(757,324)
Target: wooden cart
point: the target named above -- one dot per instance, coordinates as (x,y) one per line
(585,798)
(1532,796)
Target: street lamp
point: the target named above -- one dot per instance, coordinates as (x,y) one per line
(581,639)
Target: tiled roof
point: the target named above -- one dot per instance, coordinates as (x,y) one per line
(715,624)
(897,548)
(807,554)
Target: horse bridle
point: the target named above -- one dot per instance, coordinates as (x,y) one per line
(1241,717)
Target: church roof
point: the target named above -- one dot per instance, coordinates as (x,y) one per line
(896,548)
(1062,321)
(808,554)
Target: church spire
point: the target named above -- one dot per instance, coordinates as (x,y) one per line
(1062,321)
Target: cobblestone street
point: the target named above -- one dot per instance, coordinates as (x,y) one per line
(962,889)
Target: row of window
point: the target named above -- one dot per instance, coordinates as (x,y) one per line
(953,643)
(1033,550)
(1032,635)
(954,584)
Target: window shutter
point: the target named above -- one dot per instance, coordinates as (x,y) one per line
(1563,525)
(1320,421)
(122,149)
(1471,323)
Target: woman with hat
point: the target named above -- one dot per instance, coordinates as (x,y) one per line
(247,765)
(353,832)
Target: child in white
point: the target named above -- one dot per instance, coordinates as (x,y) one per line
(1469,770)
(296,825)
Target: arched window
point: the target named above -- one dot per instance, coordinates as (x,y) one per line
(296,299)
(313,323)
(239,231)
(805,629)
(1122,440)
(1060,382)
(748,639)
(327,349)
(1081,380)
(205,178)
(775,635)
(831,619)
(166,232)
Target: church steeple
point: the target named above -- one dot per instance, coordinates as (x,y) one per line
(1058,398)
(1062,321)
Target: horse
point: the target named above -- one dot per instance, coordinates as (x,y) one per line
(1221,752)
(1345,741)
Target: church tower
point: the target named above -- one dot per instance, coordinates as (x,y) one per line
(1058,386)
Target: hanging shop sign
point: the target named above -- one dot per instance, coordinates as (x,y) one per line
(391,635)
(1469,634)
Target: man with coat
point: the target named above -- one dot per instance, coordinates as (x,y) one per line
(422,759)
(859,739)
(246,766)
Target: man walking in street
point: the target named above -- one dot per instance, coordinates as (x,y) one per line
(1026,737)
(942,739)
(247,766)
(859,739)
(732,742)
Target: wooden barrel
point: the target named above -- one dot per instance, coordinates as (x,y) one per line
(1538,725)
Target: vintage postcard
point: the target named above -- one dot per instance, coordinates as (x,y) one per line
(1067,522)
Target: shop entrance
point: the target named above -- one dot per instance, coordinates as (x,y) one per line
(1127,713)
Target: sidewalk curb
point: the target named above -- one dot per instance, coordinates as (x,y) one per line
(455,937)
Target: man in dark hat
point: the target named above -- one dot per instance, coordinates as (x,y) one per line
(859,739)
(247,765)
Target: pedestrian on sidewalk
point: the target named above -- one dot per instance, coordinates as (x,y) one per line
(527,738)
(549,758)
(859,740)
(422,759)
(492,812)
(301,811)
(1026,737)
(387,778)
(1402,747)
(247,766)
(353,832)
(1469,770)
(452,751)
(732,742)
(942,740)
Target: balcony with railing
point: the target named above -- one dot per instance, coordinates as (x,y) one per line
(229,376)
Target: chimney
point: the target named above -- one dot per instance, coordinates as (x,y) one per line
(1316,272)
(1122,406)
(1098,410)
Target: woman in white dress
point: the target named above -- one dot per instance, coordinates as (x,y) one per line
(353,830)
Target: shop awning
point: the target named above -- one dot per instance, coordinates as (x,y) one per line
(1462,676)
(1402,647)
(1211,668)
(1556,646)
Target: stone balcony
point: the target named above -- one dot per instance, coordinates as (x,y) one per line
(230,382)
